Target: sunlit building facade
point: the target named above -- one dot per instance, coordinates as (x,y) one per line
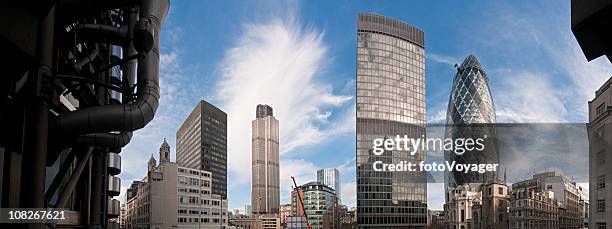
(390,101)
(265,190)
(331,178)
(201,143)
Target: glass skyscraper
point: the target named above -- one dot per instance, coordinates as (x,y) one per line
(471,114)
(331,178)
(390,101)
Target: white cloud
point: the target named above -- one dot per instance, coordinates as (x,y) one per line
(278,63)
(435,196)
(543,32)
(437,117)
(174,102)
(528,97)
(303,171)
(349,194)
(449,60)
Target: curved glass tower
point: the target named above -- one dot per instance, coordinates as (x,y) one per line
(390,102)
(471,114)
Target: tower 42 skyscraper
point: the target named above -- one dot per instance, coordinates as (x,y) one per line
(390,101)
(265,191)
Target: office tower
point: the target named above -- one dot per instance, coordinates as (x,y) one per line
(331,178)
(297,208)
(390,102)
(248,210)
(265,191)
(171,195)
(600,159)
(471,114)
(201,143)
(319,202)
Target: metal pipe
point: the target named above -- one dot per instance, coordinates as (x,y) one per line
(87,59)
(132,116)
(129,76)
(110,140)
(97,188)
(102,32)
(37,120)
(60,176)
(64,196)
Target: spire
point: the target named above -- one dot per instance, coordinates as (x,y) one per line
(505,177)
(152,163)
(164,152)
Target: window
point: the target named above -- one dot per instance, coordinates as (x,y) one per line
(549,186)
(182,180)
(601,157)
(500,190)
(194,181)
(602,226)
(182,199)
(601,181)
(600,109)
(601,205)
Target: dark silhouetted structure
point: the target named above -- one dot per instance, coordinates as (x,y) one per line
(591,26)
(80,77)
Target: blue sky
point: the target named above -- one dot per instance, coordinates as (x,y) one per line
(299,57)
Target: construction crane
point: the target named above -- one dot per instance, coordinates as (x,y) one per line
(301,202)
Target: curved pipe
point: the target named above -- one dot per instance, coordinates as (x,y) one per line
(85,60)
(113,141)
(110,33)
(125,117)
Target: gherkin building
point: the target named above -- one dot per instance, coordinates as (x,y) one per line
(471,114)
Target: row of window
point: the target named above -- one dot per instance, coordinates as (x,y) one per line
(193,181)
(196,220)
(197,211)
(195,200)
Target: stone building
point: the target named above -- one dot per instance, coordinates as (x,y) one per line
(174,196)
(532,207)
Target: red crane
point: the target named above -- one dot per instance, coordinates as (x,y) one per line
(301,202)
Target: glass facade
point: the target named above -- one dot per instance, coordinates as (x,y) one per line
(390,101)
(331,178)
(319,202)
(471,114)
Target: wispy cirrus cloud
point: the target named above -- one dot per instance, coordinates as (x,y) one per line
(449,60)
(549,75)
(278,62)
